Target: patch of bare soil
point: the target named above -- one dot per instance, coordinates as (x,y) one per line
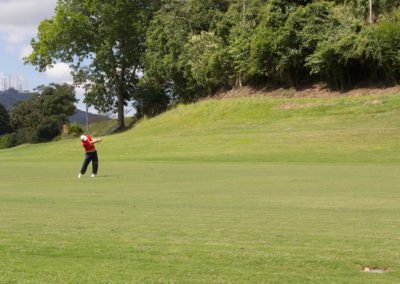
(297,106)
(314,91)
(374,269)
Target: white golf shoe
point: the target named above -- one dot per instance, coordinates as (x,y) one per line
(80,175)
(93,175)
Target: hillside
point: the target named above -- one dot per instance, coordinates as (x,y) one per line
(11,97)
(80,117)
(336,129)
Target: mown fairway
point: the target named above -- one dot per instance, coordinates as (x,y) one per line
(259,193)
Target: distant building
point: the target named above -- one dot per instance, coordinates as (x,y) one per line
(11,82)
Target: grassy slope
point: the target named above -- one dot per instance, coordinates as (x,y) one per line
(337,129)
(363,129)
(324,205)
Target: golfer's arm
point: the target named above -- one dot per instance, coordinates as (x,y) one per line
(96,141)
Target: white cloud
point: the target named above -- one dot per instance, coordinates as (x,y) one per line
(59,73)
(25,12)
(25,51)
(19,18)
(15,34)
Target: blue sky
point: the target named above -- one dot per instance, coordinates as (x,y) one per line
(18,25)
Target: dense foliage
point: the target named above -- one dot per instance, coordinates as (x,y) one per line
(7,139)
(196,47)
(4,121)
(41,117)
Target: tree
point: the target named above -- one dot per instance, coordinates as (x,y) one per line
(40,118)
(379,45)
(358,52)
(174,25)
(150,99)
(242,17)
(4,121)
(370,9)
(102,41)
(206,61)
(197,47)
(58,101)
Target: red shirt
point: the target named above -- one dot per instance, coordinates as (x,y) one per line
(86,144)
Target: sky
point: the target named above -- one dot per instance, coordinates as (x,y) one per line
(19,20)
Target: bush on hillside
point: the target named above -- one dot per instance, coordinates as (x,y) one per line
(25,135)
(8,141)
(75,129)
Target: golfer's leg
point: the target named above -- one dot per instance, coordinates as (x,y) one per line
(95,163)
(85,163)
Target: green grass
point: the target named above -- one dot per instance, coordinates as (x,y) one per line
(249,190)
(326,130)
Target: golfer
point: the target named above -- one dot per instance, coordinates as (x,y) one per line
(90,155)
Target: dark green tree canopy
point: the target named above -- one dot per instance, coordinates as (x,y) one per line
(43,115)
(192,53)
(4,121)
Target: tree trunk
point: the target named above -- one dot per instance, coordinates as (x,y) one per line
(120,97)
(120,111)
(239,81)
(370,11)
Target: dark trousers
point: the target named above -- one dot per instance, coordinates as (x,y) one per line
(90,157)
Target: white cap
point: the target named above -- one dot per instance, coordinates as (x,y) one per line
(83,138)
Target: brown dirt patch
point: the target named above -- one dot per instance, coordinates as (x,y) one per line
(374,269)
(314,91)
(288,106)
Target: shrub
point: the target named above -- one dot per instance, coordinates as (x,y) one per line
(48,129)
(75,129)
(8,141)
(380,46)
(24,135)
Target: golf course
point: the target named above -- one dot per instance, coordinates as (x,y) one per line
(239,190)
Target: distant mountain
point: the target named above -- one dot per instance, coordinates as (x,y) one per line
(11,97)
(80,117)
